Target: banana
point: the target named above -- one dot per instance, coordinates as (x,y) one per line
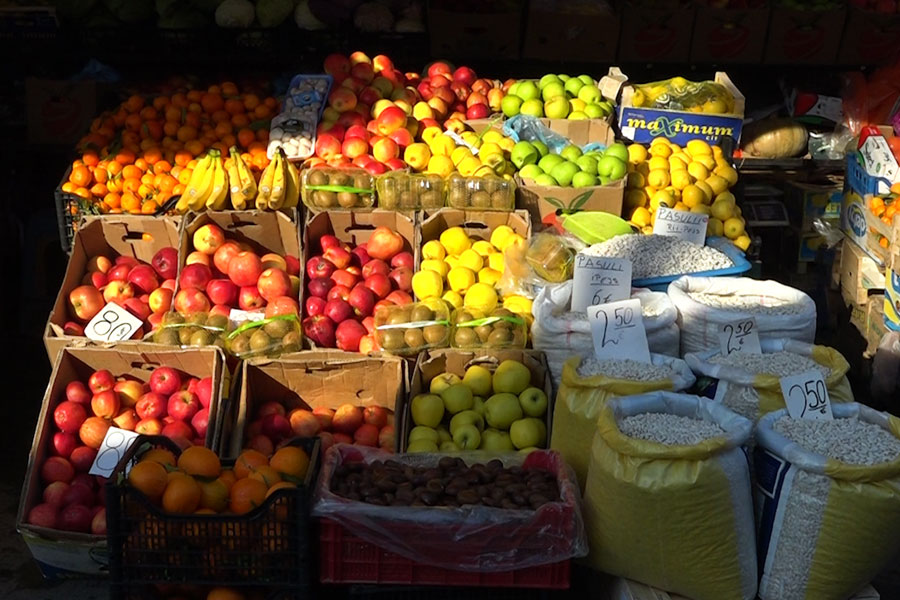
(198,201)
(218,198)
(266,182)
(194,187)
(292,193)
(279,183)
(248,188)
(234,185)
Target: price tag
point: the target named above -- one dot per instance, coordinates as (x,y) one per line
(238,316)
(112,324)
(739,336)
(806,396)
(688,226)
(618,330)
(599,280)
(115,444)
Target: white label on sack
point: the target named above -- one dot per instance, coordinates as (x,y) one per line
(238,316)
(618,331)
(739,336)
(806,396)
(688,226)
(115,443)
(112,324)
(599,280)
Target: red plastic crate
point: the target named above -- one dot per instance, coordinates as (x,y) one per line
(345,558)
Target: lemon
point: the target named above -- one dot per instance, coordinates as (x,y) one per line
(461,279)
(658,178)
(715,107)
(650,191)
(635,180)
(663,198)
(648,230)
(440,165)
(638,99)
(707,161)
(496,262)
(483,171)
(660,140)
(723,210)
(717,184)
(676,163)
(518,304)
(662,150)
(481,296)
(692,195)
(640,216)
(452,298)
(658,162)
(635,198)
(471,260)
(489,148)
(726,196)
(707,191)
(483,248)
(455,241)
(701,209)
(681,206)
(715,227)
(489,276)
(681,179)
(698,147)
(734,228)
(459,154)
(742,242)
(438,266)
(433,250)
(698,171)
(643,168)
(737,211)
(499,236)
(683,157)
(636,153)
(427,284)
(727,173)
(717,152)
(675,193)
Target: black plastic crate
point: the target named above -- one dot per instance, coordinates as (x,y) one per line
(69,211)
(267,548)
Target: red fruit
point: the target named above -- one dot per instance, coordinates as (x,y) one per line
(315,306)
(183,405)
(403,259)
(262,444)
(399,297)
(105,404)
(324,415)
(55,493)
(402,278)
(82,457)
(366,435)
(375,415)
(387,438)
(329,241)
(384,243)
(222,291)
(303,423)
(85,301)
(374,267)
(342,438)
(98,523)
(244,269)
(337,256)
(71,328)
(320,329)
(224,254)
(359,256)
(250,299)
(126,419)
(100,381)
(326,440)
(271,407)
(151,405)
(165,381)
(165,262)
(347,419)
(273,283)
(179,431)
(204,391)
(362,299)
(200,422)
(341,292)
(277,427)
(318,266)
(379,284)
(149,427)
(84,480)
(338,310)
(57,468)
(348,335)
(64,443)
(320,286)
(195,276)
(44,515)
(69,416)
(78,494)
(119,272)
(75,517)
(143,278)
(345,277)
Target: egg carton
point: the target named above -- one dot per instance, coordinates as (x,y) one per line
(294,128)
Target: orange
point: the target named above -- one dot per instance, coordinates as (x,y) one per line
(195,147)
(266,474)
(112,200)
(182,495)
(182,158)
(133,122)
(246,137)
(221,116)
(262,135)
(224,594)
(227,477)
(291,461)
(131,172)
(234,106)
(214,495)
(148,113)
(150,478)
(90,158)
(247,461)
(223,128)
(149,207)
(229,88)
(133,104)
(251,101)
(98,189)
(152,156)
(262,112)
(83,193)
(187,133)
(240,120)
(100,174)
(80,176)
(185,176)
(281,485)
(200,461)
(130,202)
(247,494)
(160,455)
(69,187)
(162,166)
(125,157)
(178,189)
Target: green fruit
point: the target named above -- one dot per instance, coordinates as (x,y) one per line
(588,164)
(528,432)
(478,379)
(612,167)
(573,85)
(586,79)
(618,150)
(571,153)
(530,172)
(466,417)
(577,115)
(552,91)
(502,410)
(457,398)
(582,179)
(549,161)
(564,78)
(528,91)
(422,446)
(533,108)
(523,154)
(594,111)
(498,441)
(564,172)
(420,432)
(556,107)
(590,94)
(427,410)
(541,147)
(511,105)
(548,79)
(545,179)
(514,89)
(512,377)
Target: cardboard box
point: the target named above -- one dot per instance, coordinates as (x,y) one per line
(869,37)
(570,30)
(854,217)
(729,35)
(434,362)
(55,550)
(460,33)
(859,274)
(875,326)
(857,316)
(625,589)
(111,236)
(59,112)
(312,379)
(542,201)
(577,131)
(804,37)
(477,224)
(656,35)
(807,202)
(808,247)
(642,125)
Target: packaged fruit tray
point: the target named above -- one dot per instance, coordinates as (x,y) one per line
(267,546)
(408,329)
(324,188)
(294,128)
(724,245)
(410,191)
(497,329)
(481,193)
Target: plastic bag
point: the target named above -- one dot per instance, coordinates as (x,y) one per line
(851,520)
(580,400)
(530,129)
(678,93)
(754,395)
(472,538)
(700,323)
(675,517)
(545,259)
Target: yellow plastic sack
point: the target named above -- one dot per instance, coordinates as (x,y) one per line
(858,515)
(580,399)
(679,518)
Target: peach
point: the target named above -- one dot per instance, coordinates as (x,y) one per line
(495,97)
(384,86)
(455,125)
(382,63)
(197,257)
(445,94)
(342,99)
(402,137)
(385,149)
(357,131)
(327,146)
(370,95)
(273,261)
(273,283)
(390,119)
(476,98)
(208,238)
(440,107)
(405,106)
(421,110)
(395,164)
(160,300)
(224,254)
(364,71)
(380,106)
(355,147)
(359,57)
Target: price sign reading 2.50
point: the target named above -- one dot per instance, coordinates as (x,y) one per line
(739,336)
(618,330)
(112,324)
(806,396)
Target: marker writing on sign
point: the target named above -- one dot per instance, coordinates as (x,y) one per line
(680,216)
(623,320)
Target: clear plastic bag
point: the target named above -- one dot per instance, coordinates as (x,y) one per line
(269,337)
(470,538)
(409,329)
(198,329)
(546,259)
(678,93)
(500,328)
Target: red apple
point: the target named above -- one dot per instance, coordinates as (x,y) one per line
(402,278)
(273,283)
(200,422)
(100,381)
(403,259)
(224,254)
(367,344)
(188,302)
(138,308)
(320,329)
(347,419)
(77,392)
(92,431)
(345,278)
(303,423)
(69,416)
(362,299)
(64,443)
(105,404)
(82,457)
(160,300)
(85,302)
(208,238)
(169,284)
(198,258)
(98,523)
(76,518)
(71,328)
(183,405)
(149,427)
(78,494)
(271,407)
(342,438)
(178,430)
(292,264)
(222,291)
(165,381)
(329,241)
(366,435)
(337,256)
(57,468)
(277,427)
(369,324)
(54,493)
(348,335)
(387,438)
(341,292)
(375,266)
(96,279)
(244,269)
(315,306)
(261,443)
(375,415)
(326,440)
(273,261)
(282,305)
(379,284)
(359,256)
(126,419)
(204,391)
(338,310)
(324,415)
(320,286)
(165,262)
(151,405)
(399,297)
(220,309)
(194,277)
(143,278)
(44,515)
(129,392)
(465,75)
(118,272)
(250,299)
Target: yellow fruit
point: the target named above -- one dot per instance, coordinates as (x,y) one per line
(461,279)
(491,136)
(715,107)
(433,250)
(692,196)
(427,284)
(717,152)
(650,191)
(676,163)
(452,298)
(471,138)
(468,166)
(636,154)
(658,162)
(640,217)
(663,198)
(737,211)
(717,184)
(489,276)
(430,133)
(658,178)
(453,261)
(517,304)
(680,179)
(734,228)
(707,191)
(715,227)
(660,140)
(635,198)
(698,147)
(707,161)
(459,154)
(481,296)
(635,180)
(742,242)
(675,193)
(471,260)
(483,248)
(442,145)
(440,165)
(500,235)
(489,148)
(698,171)
(702,209)
(643,168)
(663,150)
(681,206)
(438,266)
(723,210)
(725,196)
(506,144)
(727,173)
(496,262)
(455,241)
(513,240)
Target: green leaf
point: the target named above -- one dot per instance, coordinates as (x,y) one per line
(580,201)
(554,202)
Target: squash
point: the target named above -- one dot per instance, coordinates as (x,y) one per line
(774,138)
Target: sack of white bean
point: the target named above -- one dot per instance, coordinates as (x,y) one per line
(562,333)
(587,385)
(828,502)
(704,304)
(668,499)
(752,382)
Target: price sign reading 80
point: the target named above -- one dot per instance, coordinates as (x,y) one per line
(806,396)
(115,444)
(739,336)
(112,324)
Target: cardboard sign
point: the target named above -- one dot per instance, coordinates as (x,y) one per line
(115,444)
(618,331)
(739,336)
(806,396)
(599,280)
(112,324)
(688,226)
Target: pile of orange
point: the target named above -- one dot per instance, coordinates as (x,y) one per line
(196,483)
(139,155)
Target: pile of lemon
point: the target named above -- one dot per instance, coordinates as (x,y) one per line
(697,178)
(463,151)
(465,272)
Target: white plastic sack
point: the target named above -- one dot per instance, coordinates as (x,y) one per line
(700,323)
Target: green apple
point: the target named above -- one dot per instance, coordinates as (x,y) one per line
(571,152)
(563,77)
(449,446)
(478,379)
(586,79)
(552,90)
(547,80)
(545,179)
(618,150)
(605,180)
(549,161)
(441,382)
(533,402)
(530,172)
(467,437)
(541,147)
(611,167)
(495,440)
(573,85)
(514,89)
(422,446)
(594,111)
(444,433)
(420,432)
(564,172)
(501,410)
(607,106)
(556,107)
(466,417)
(427,410)
(588,164)
(457,398)
(528,432)
(523,154)
(533,108)
(478,405)
(578,115)
(583,180)
(511,105)
(511,377)
(528,91)
(590,94)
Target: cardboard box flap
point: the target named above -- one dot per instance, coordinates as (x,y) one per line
(611,84)
(476,223)
(264,231)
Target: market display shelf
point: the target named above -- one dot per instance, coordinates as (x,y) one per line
(760,165)
(724,245)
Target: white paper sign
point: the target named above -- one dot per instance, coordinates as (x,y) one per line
(599,280)
(115,444)
(739,336)
(238,316)
(618,330)
(688,226)
(112,324)
(806,396)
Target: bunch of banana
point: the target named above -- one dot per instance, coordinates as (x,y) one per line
(241,180)
(279,185)
(208,186)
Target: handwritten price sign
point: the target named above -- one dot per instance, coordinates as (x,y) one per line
(112,324)
(618,331)
(688,226)
(111,451)
(806,396)
(599,280)
(739,336)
